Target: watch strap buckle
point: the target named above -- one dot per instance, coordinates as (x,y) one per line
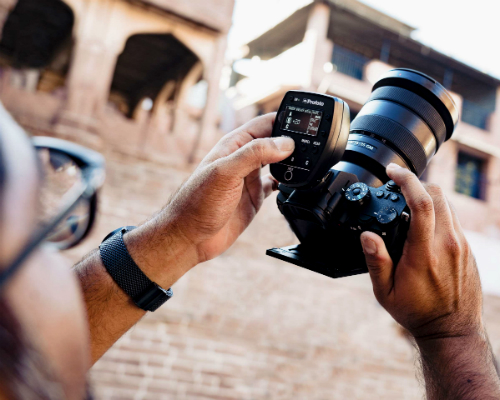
(153,297)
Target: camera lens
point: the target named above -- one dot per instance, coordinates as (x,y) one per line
(405,121)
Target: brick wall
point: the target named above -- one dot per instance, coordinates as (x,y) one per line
(245,326)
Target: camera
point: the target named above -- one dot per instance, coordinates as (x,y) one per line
(334,186)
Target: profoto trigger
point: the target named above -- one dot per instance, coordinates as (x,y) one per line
(319,125)
(406,119)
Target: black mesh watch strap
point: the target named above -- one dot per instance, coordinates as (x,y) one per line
(116,259)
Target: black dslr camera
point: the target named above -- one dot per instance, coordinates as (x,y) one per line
(406,119)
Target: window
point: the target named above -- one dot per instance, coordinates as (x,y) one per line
(349,62)
(475,114)
(470,175)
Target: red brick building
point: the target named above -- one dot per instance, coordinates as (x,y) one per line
(243,326)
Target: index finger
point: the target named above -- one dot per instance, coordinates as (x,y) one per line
(419,201)
(256,128)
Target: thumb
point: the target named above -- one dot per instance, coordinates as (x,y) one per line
(259,152)
(379,264)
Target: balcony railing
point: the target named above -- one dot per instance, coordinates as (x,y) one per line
(475,114)
(349,62)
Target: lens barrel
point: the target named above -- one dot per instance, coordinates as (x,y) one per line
(406,119)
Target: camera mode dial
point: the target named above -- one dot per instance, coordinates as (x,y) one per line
(358,193)
(387,215)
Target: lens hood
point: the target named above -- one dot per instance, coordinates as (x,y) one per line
(427,88)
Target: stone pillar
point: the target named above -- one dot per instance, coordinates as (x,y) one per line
(89,82)
(90,78)
(92,67)
(181,97)
(161,113)
(207,135)
(319,46)
(161,100)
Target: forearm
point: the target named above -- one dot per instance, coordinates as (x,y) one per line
(162,255)
(459,368)
(110,311)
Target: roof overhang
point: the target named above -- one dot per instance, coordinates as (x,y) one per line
(364,29)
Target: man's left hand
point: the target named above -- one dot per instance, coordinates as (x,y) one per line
(215,205)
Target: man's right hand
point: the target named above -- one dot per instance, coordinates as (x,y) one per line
(435,293)
(435,290)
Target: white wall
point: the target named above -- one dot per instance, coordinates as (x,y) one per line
(487,253)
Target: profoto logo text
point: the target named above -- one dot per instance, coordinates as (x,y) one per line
(313,102)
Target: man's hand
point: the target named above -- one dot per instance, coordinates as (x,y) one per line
(435,293)
(435,290)
(225,192)
(203,219)
(215,205)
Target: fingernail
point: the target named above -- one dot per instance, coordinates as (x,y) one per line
(369,246)
(284,143)
(393,166)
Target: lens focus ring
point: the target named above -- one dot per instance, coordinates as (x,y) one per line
(397,135)
(416,104)
(408,116)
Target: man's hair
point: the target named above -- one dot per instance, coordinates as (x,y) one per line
(23,373)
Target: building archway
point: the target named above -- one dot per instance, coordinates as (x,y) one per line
(37,43)
(146,64)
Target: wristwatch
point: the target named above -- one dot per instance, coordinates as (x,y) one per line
(116,259)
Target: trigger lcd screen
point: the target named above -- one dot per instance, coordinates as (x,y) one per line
(301,120)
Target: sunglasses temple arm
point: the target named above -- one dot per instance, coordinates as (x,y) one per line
(39,237)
